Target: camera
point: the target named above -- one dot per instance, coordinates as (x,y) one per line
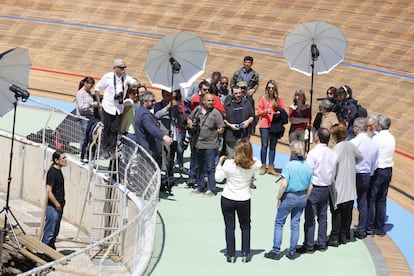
(186,142)
(119,97)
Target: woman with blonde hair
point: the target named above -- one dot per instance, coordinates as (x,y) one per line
(268,107)
(236,195)
(298,113)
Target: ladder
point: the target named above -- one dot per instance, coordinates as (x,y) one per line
(105,197)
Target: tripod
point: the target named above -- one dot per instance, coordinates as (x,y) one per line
(6,210)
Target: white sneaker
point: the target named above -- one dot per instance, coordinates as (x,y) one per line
(209,193)
(197,191)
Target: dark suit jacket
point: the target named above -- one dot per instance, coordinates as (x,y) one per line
(147,133)
(277,128)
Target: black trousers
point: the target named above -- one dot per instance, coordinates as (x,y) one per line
(112,124)
(243,209)
(341,221)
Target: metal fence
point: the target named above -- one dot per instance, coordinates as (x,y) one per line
(140,179)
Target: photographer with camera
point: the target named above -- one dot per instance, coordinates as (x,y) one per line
(169,113)
(211,125)
(113,84)
(348,110)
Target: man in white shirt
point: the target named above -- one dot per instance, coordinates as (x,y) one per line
(112,104)
(322,161)
(385,143)
(364,170)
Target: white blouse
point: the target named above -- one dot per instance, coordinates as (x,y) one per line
(237,185)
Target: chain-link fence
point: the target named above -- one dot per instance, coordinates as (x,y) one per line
(139,182)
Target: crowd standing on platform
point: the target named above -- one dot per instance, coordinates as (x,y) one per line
(351,157)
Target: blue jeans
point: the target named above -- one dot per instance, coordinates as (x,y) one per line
(52,226)
(84,124)
(378,200)
(316,206)
(362,184)
(293,204)
(243,209)
(206,167)
(192,174)
(266,138)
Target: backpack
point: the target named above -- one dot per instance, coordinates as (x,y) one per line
(361,111)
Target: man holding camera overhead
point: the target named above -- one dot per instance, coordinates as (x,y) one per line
(113,84)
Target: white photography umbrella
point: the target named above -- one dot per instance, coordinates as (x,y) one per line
(176,61)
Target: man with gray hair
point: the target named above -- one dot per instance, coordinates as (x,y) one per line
(373,124)
(385,143)
(147,133)
(113,83)
(364,171)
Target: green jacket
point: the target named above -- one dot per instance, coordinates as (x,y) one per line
(253,79)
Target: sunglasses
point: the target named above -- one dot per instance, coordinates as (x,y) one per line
(224,83)
(122,67)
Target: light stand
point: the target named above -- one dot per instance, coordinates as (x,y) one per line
(314,55)
(24,95)
(175,69)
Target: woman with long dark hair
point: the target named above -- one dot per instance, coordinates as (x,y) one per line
(85,105)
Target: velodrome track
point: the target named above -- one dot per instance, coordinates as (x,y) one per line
(68,40)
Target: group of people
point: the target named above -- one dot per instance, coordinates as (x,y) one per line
(359,169)
(216,117)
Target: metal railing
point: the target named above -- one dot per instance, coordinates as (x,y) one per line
(139,185)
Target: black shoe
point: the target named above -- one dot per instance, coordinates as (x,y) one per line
(370,232)
(321,248)
(292,255)
(191,183)
(333,243)
(304,250)
(381,234)
(360,236)
(273,255)
(184,170)
(252,186)
(231,259)
(245,258)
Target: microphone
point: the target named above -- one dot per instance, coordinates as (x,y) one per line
(19,92)
(314,52)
